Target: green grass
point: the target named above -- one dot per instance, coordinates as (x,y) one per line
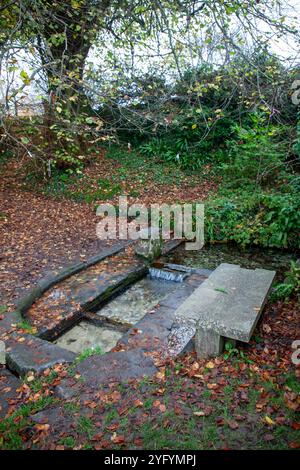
(68,442)
(88,353)
(26,326)
(85,426)
(133,170)
(11,427)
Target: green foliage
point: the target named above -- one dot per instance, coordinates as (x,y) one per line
(256,154)
(10,427)
(260,218)
(26,326)
(193,139)
(233,352)
(88,353)
(291,284)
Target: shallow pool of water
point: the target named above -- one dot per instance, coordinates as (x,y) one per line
(210,256)
(125,310)
(85,335)
(128,308)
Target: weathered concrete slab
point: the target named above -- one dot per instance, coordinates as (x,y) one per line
(64,304)
(229,302)
(8,324)
(27,353)
(183,291)
(208,343)
(55,277)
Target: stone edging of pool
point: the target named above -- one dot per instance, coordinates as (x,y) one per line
(26,352)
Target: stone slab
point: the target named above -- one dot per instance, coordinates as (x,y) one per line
(229,302)
(56,277)
(28,353)
(183,291)
(82,293)
(208,343)
(98,371)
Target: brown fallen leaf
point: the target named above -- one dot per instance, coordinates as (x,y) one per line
(117,439)
(233,424)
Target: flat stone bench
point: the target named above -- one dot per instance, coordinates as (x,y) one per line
(227,305)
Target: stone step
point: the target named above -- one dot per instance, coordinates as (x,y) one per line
(27,353)
(100,371)
(228,304)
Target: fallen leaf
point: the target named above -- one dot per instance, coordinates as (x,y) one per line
(269,421)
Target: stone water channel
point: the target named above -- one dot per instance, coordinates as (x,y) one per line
(117,316)
(108,324)
(114,304)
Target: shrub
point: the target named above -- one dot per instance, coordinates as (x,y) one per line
(259,218)
(256,154)
(291,284)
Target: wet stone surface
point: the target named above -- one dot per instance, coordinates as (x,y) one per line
(85,335)
(63,302)
(129,307)
(229,302)
(27,353)
(99,371)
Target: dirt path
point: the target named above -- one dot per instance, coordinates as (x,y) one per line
(39,234)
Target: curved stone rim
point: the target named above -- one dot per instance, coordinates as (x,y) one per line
(49,281)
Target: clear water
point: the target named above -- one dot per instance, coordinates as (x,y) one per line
(126,310)
(210,256)
(85,335)
(167,275)
(130,306)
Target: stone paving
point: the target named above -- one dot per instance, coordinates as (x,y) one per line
(9,385)
(141,323)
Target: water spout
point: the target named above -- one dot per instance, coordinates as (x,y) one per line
(167,274)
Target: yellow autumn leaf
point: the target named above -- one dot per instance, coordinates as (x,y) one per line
(75,4)
(210,365)
(199,413)
(269,421)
